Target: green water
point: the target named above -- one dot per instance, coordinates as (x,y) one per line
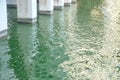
(80,42)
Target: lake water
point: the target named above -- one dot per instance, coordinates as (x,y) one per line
(80,42)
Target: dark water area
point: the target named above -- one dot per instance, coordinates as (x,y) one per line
(80,42)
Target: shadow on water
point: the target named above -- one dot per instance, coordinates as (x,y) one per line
(16,64)
(16,61)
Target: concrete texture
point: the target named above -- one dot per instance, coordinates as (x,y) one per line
(46,6)
(67,2)
(11,3)
(26,10)
(58,4)
(3,17)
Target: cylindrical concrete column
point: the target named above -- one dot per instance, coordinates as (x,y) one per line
(12,3)
(67,2)
(46,6)
(3,18)
(58,4)
(27,10)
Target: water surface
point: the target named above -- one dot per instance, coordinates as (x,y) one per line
(80,42)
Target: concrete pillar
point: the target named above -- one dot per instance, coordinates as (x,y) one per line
(67,2)
(27,10)
(58,4)
(3,18)
(46,6)
(74,1)
(12,3)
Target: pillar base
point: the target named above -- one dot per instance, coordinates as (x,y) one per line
(3,33)
(67,4)
(58,7)
(27,20)
(46,12)
(73,1)
(11,6)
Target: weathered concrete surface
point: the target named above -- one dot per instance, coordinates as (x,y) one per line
(67,2)
(46,6)
(3,18)
(27,11)
(58,4)
(74,1)
(12,3)
(3,33)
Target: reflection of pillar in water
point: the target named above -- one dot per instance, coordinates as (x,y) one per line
(42,61)
(27,41)
(50,48)
(67,15)
(16,60)
(59,27)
